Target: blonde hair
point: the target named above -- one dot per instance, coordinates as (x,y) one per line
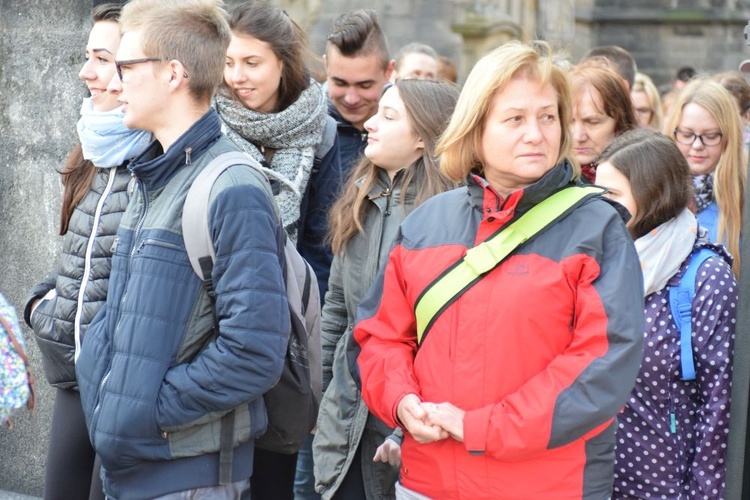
(194,32)
(730,176)
(460,145)
(643,83)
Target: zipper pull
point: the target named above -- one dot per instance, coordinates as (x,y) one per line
(131,185)
(188,150)
(672,422)
(114,244)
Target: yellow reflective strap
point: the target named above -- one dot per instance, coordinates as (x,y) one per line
(485,256)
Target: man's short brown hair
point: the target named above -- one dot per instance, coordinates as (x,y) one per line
(194,32)
(358,34)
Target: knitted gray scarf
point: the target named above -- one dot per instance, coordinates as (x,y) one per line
(293,133)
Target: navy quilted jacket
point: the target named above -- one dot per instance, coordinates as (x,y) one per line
(154,379)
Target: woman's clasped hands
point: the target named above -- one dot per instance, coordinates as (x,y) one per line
(429,422)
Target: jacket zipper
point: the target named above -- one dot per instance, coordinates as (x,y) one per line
(137,231)
(155,242)
(87,261)
(388,194)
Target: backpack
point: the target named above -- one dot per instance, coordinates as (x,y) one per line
(326,143)
(681,306)
(292,404)
(16,381)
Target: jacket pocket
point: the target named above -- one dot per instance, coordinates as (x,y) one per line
(57,354)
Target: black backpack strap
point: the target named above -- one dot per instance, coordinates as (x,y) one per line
(226,450)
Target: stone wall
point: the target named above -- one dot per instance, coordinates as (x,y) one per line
(40,53)
(664,35)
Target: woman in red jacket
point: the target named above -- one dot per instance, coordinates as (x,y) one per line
(509,391)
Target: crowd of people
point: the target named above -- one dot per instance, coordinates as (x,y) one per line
(528,283)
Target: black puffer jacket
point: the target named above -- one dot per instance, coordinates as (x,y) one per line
(73,293)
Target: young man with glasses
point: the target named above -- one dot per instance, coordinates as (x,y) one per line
(156,376)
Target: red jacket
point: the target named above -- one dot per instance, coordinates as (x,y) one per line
(541,353)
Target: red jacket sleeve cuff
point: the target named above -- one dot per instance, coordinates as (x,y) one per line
(476,424)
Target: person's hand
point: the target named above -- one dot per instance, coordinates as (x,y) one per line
(34,305)
(446,416)
(389,451)
(413,417)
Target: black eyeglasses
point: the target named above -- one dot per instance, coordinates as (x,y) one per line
(688,138)
(120,64)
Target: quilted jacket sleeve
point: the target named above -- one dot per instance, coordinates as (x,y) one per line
(246,358)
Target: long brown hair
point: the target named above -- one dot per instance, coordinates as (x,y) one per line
(78,173)
(429,105)
(661,193)
(271,24)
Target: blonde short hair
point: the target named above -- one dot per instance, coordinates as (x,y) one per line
(194,32)
(461,143)
(643,83)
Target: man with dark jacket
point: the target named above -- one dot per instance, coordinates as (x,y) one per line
(170,400)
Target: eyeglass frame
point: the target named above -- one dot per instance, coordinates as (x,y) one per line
(697,136)
(130,62)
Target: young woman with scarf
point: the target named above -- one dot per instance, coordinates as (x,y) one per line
(673,433)
(60,309)
(269,105)
(274,111)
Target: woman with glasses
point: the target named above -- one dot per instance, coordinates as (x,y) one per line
(708,132)
(646,102)
(602,110)
(60,309)
(673,432)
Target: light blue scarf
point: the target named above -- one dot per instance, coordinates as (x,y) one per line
(106,141)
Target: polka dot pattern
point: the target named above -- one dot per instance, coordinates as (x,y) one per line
(672,434)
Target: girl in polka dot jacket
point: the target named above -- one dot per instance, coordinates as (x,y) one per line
(672,434)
